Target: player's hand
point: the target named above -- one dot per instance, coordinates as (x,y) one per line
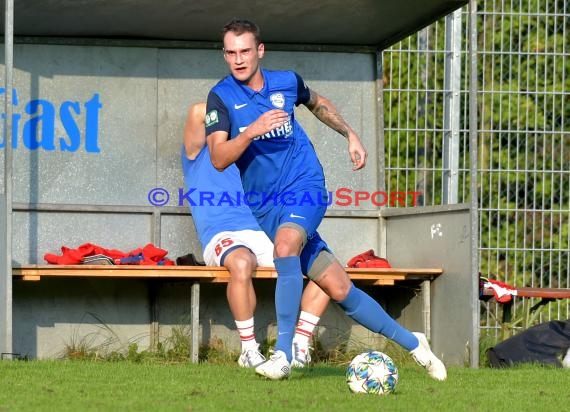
(357,152)
(268,121)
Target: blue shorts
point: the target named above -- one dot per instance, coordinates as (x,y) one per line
(305,209)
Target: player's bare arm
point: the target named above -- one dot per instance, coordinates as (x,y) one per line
(224,152)
(194,130)
(327,113)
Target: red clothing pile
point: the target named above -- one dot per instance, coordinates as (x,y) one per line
(148,255)
(502,292)
(368,260)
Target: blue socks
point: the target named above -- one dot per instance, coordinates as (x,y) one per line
(366,311)
(357,304)
(288,293)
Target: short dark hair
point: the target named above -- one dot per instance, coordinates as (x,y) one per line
(240,26)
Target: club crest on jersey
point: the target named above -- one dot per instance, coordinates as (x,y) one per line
(278,100)
(212,118)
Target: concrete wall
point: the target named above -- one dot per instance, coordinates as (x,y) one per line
(96,128)
(439,237)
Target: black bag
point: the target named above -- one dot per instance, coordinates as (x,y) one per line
(189,260)
(545,344)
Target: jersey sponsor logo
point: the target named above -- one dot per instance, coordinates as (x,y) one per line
(239,106)
(212,118)
(278,100)
(284,131)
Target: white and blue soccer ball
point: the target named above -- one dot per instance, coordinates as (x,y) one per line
(372,372)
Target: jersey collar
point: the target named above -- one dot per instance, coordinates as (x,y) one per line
(249,91)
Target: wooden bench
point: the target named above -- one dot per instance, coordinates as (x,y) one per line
(206,274)
(546,295)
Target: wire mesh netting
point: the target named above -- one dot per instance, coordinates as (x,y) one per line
(523,101)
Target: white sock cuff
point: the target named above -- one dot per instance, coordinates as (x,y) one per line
(309,317)
(242,324)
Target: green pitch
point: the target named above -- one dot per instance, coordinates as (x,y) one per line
(150,386)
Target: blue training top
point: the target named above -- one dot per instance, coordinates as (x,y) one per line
(216,199)
(283,160)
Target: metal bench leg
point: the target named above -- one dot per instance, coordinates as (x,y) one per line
(426,307)
(507,312)
(195,326)
(154,318)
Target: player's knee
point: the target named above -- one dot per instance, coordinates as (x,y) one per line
(286,247)
(282,250)
(245,266)
(241,266)
(339,292)
(288,242)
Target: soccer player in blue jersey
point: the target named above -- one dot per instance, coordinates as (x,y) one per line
(250,121)
(231,237)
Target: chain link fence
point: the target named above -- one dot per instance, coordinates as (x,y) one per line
(523,50)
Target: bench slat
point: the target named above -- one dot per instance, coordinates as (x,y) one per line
(373,276)
(529,292)
(546,293)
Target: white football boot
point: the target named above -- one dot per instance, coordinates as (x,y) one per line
(276,367)
(251,358)
(425,357)
(301,356)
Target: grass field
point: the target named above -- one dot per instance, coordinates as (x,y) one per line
(151,386)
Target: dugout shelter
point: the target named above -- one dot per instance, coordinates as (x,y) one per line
(95,94)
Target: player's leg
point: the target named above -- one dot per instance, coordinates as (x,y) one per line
(290,223)
(288,290)
(289,239)
(297,225)
(289,287)
(315,259)
(226,249)
(361,307)
(324,269)
(240,262)
(290,236)
(314,302)
(368,312)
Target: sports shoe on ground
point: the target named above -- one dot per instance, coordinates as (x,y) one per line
(277,367)
(301,356)
(425,357)
(250,358)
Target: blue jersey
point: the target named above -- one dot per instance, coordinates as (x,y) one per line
(281,161)
(216,199)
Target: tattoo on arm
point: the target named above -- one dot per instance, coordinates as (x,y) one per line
(327,113)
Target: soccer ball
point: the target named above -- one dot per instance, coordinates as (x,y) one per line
(372,372)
